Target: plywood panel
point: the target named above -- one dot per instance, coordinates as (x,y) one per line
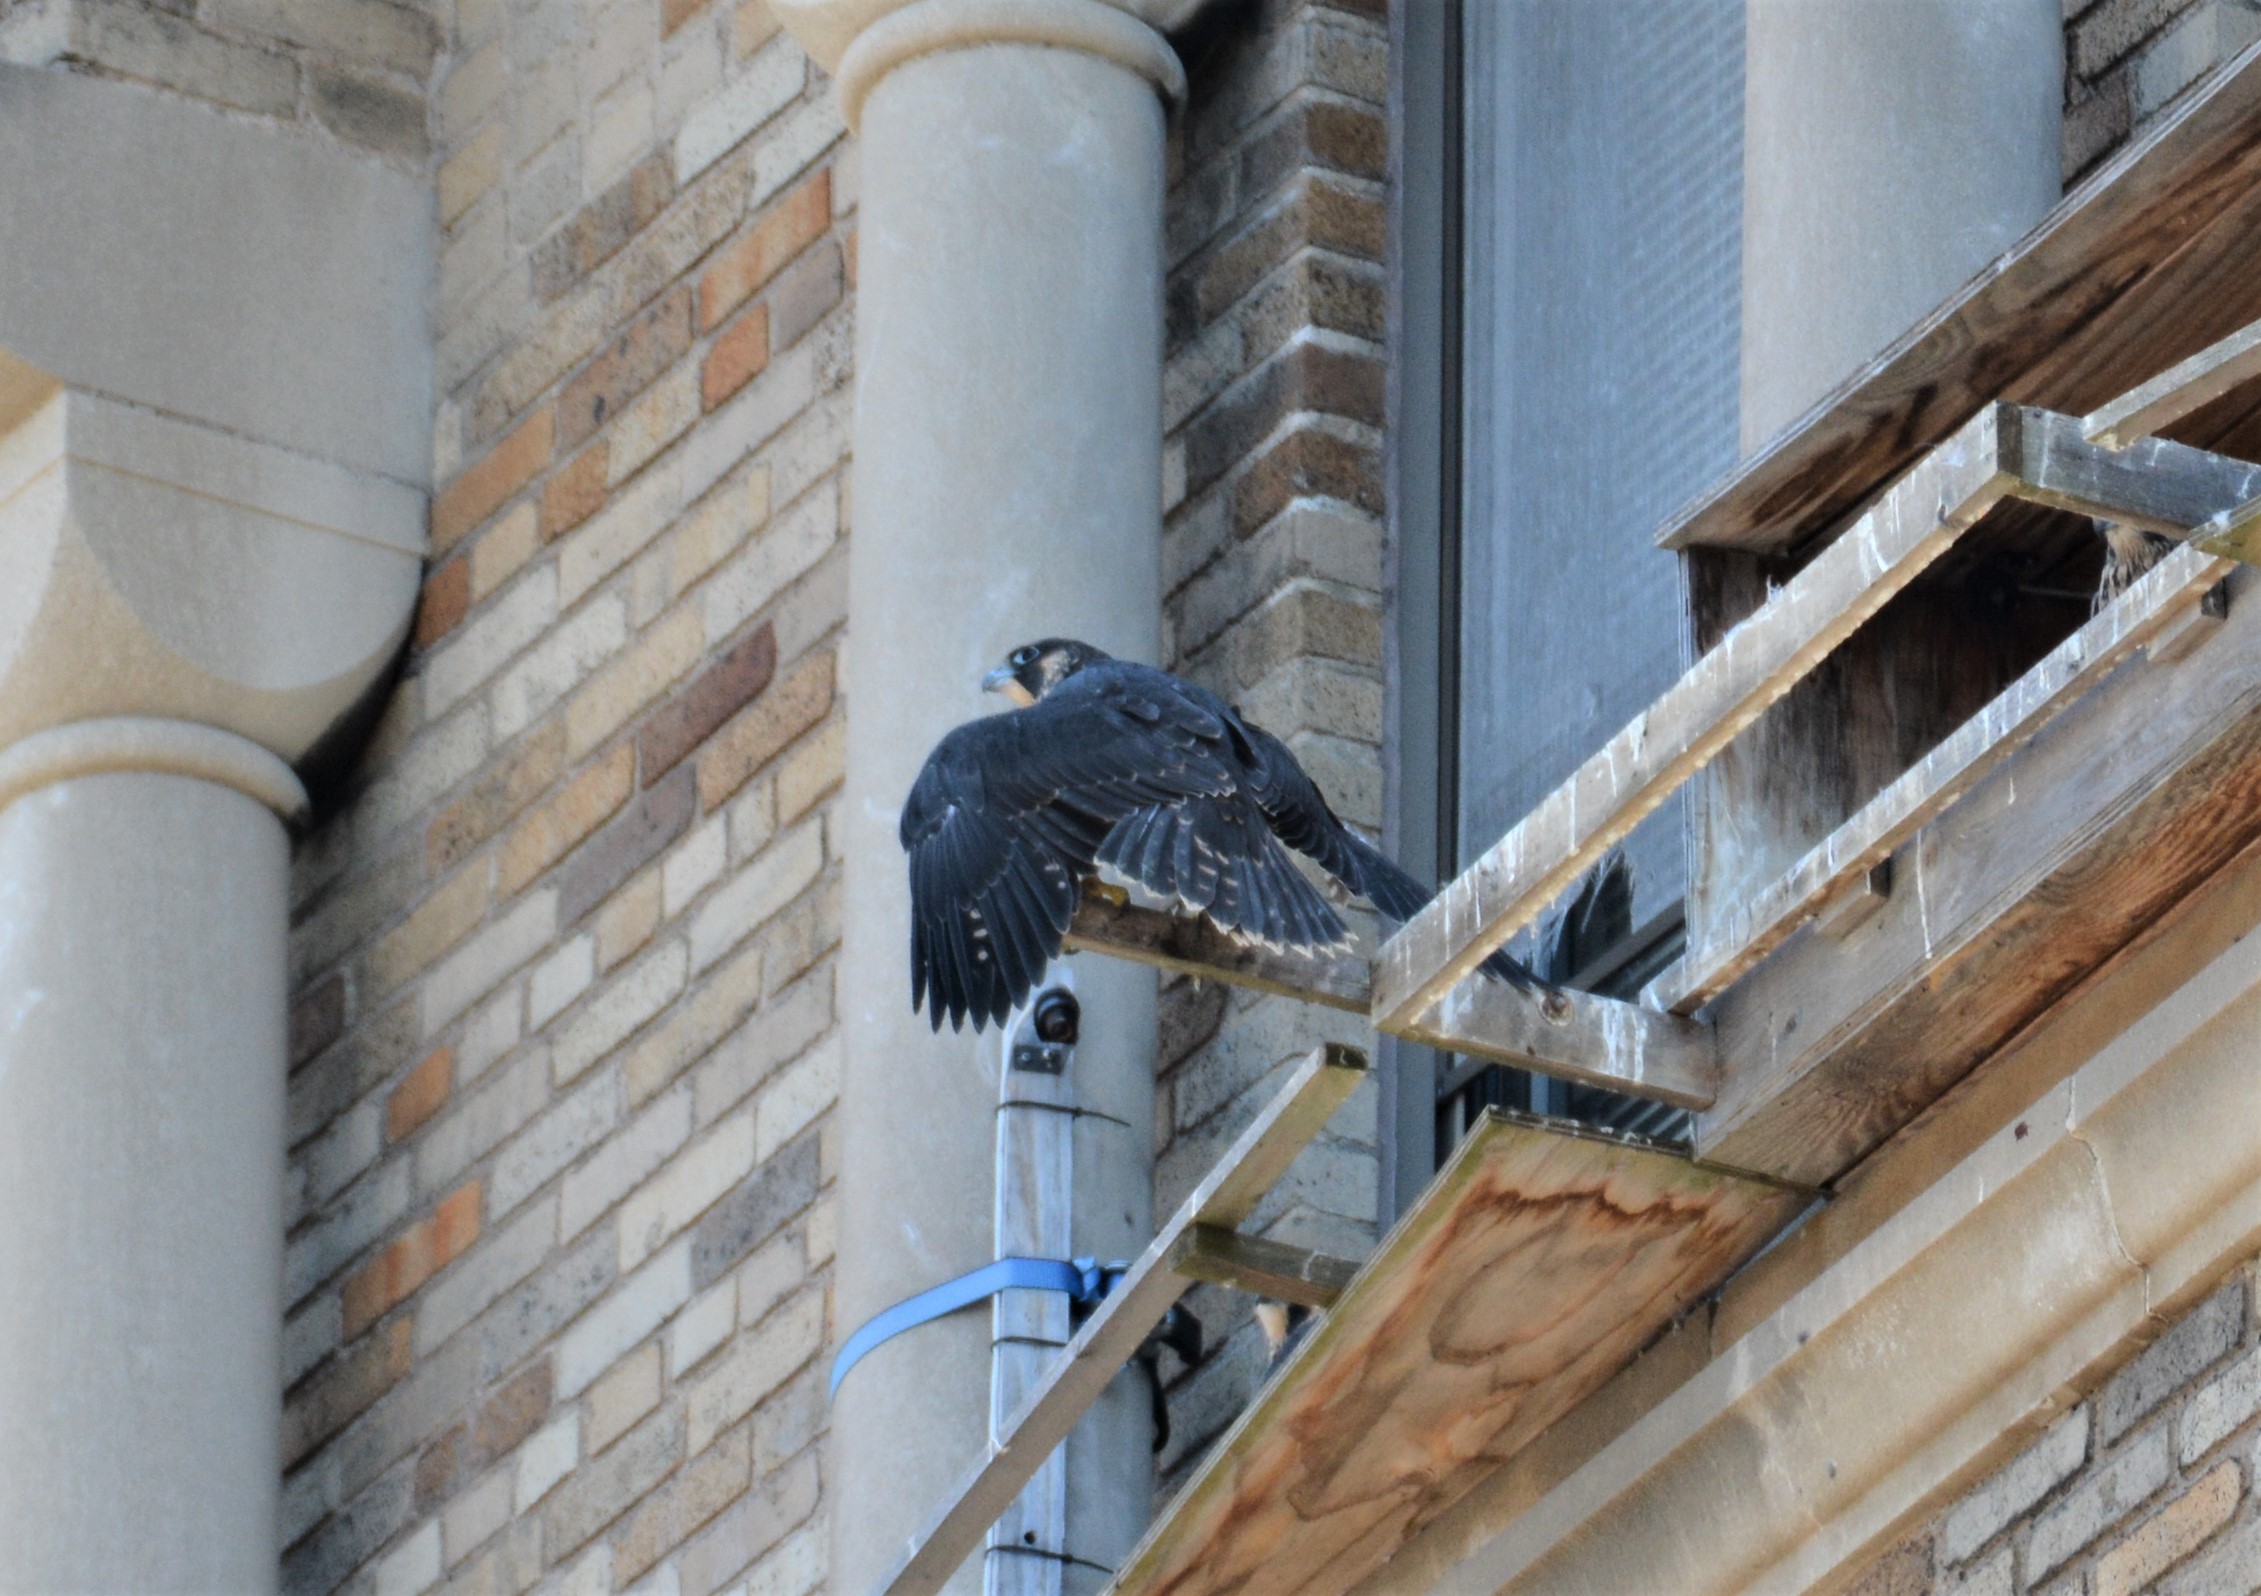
(1538,1264)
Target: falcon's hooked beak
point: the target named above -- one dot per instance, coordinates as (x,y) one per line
(1002,680)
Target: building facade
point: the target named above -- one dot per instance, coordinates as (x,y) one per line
(606,439)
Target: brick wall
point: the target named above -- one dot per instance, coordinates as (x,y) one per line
(355,69)
(563,1039)
(2146,1486)
(1273,557)
(2126,60)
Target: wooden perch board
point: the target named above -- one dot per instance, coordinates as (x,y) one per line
(2180,391)
(1225,1197)
(2146,261)
(1757,662)
(1841,862)
(1574,1036)
(2150,483)
(1534,1268)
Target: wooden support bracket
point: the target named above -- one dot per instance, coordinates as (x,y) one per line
(2149,483)
(2177,392)
(1574,1036)
(1269,1268)
(1113,1333)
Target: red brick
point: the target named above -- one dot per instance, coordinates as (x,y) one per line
(577,491)
(412,1258)
(650,344)
(447,594)
(423,1094)
(737,357)
(489,483)
(691,716)
(794,223)
(344,1388)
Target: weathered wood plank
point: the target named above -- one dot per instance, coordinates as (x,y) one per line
(2146,259)
(2150,483)
(1534,1268)
(1269,1268)
(2234,536)
(1576,1036)
(1758,661)
(1190,946)
(2134,795)
(1841,862)
(1258,1157)
(2181,390)
(1572,1035)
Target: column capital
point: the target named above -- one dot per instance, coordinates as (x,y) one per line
(130,743)
(861,41)
(165,570)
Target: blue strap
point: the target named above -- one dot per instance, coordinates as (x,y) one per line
(1083,1279)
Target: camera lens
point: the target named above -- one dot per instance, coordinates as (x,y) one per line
(1057,1016)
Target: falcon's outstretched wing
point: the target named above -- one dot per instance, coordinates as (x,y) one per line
(1119,764)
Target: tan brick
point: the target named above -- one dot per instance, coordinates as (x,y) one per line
(443,919)
(723,520)
(765,728)
(636,356)
(344,1388)
(587,801)
(621,1398)
(412,1258)
(752,25)
(490,482)
(484,1438)
(470,172)
(657,816)
(502,790)
(737,357)
(657,659)
(2171,1534)
(672,15)
(712,1012)
(762,1360)
(577,490)
(626,923)
(664,412)
(813,768)
(665,1518)
(423,1094)
(444,601)
(742,267)
(502,552)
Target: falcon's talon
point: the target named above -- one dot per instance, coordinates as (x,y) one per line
(1122,765)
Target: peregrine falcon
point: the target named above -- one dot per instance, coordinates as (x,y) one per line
(1110,763)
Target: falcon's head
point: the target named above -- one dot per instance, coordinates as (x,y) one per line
(1034,669)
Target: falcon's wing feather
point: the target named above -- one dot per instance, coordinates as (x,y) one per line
(1011,811)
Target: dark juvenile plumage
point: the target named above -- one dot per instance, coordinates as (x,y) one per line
(1117,764)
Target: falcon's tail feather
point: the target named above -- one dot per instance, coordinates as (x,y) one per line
(1388,887)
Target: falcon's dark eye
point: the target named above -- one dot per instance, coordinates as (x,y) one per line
(1025,655)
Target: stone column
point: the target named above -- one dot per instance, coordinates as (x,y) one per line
(1008,487)
(143,880)
(213,427)
(1890,151)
